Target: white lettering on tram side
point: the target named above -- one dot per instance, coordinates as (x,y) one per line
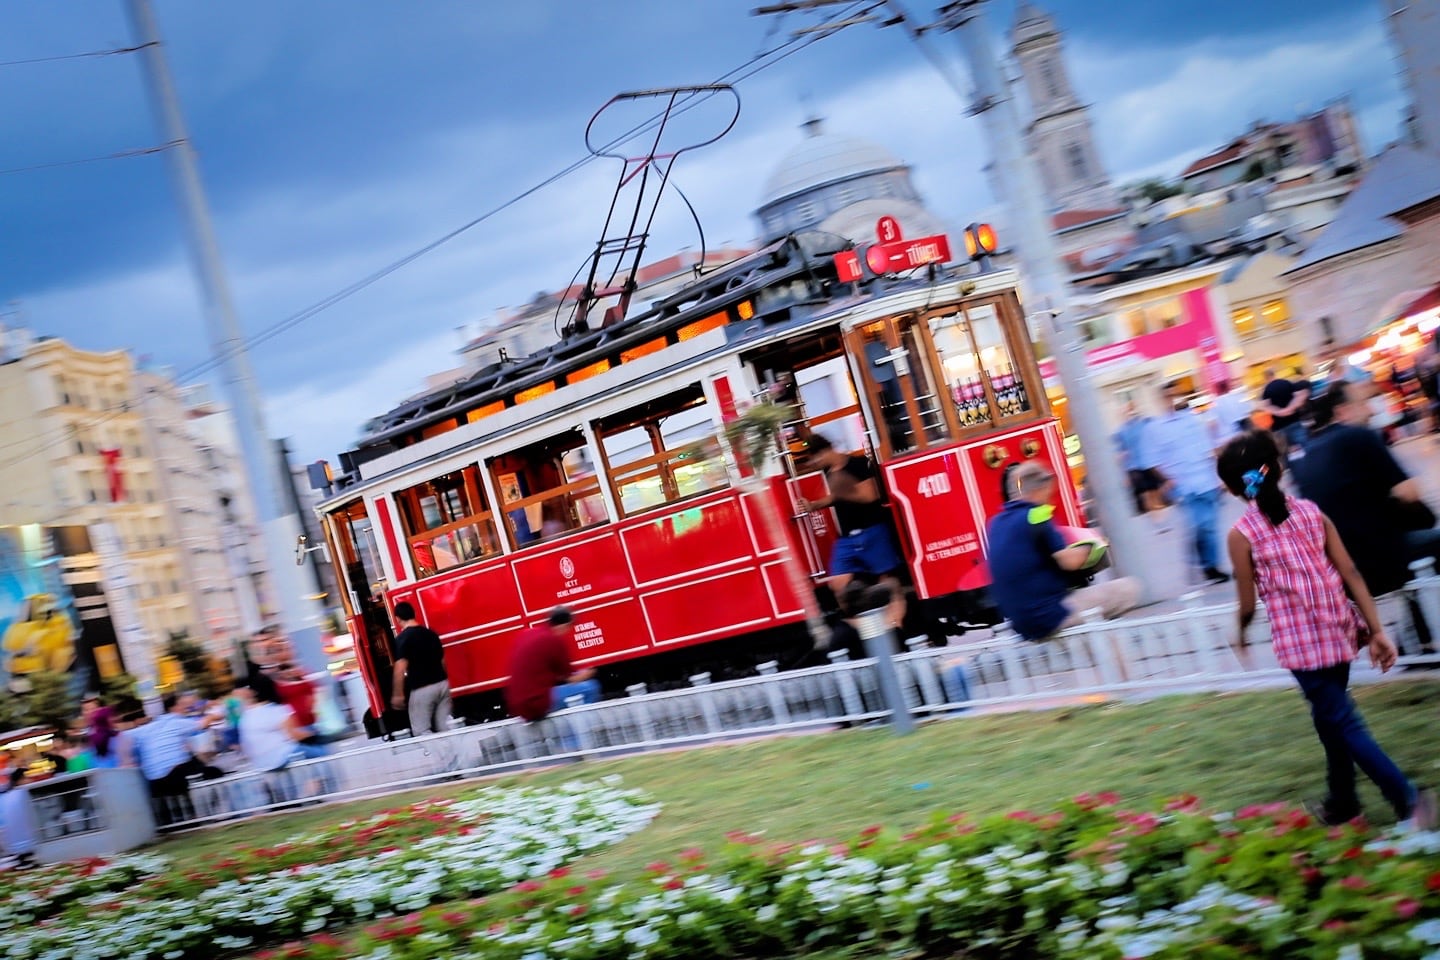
(955,546)
(588,634)
(922,253)
(573,588)
(934,485)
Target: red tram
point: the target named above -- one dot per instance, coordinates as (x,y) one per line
(571,477)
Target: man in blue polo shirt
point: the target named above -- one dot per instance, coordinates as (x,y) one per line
(1030,562)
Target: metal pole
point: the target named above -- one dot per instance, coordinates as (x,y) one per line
(880,644)
(1047,290)
(300,617)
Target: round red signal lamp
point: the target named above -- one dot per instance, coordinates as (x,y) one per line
(877,259)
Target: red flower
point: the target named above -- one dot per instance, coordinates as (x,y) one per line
(575,891)
(691,855)
(1186,802)
(674,884)
(1311,875)
(1107,798)
(1407,908)
(1432,882)
(871,831)
(1354,882)
(659,866)
(596,874)
(528,886)
(455,918)
(559,873)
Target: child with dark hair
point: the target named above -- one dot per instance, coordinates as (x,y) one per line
(1288,551)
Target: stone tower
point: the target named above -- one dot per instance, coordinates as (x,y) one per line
(1059,133)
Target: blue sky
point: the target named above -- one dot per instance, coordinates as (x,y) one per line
(338,135)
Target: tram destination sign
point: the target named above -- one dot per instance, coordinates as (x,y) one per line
(884,258)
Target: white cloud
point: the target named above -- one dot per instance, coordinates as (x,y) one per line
(1201,96)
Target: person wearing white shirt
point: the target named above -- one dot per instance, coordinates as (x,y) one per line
(1184,449)
(271,734)
(17,823)
(1231,410)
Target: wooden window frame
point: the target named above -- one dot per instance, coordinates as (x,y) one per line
(659,463)
(408,506)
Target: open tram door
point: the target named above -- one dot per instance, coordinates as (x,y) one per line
(352,541)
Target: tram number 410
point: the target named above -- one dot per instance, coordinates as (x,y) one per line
(934,485)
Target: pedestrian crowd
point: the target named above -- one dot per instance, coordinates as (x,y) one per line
(1332,521)
(270,720)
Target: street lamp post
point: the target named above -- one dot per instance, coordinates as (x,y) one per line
(300,617)
(1045,285)
(1042,276)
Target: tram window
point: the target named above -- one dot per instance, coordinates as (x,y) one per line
(974,353)
(447,521)
(658,453)
(548,489)
(828,399)
(928,398)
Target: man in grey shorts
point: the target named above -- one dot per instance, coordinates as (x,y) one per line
(420,672)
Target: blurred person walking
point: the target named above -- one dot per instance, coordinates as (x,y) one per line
(1231,409)
(1184,442)
(1133,440)
(1285,401)
(420,672)
(1286,551)
(165,758)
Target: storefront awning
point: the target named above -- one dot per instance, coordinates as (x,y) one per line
(1428,301)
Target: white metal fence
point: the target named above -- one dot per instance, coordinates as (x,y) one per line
(1185,651)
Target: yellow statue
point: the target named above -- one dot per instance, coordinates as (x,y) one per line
(40,638)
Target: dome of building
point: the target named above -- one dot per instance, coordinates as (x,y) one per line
(825,158)
(827,174)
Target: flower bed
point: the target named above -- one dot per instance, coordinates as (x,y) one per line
(487,877)
(1093,881)
(395,863)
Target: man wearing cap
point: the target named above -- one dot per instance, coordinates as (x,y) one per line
(1030,563)
(866,546)
(542,675)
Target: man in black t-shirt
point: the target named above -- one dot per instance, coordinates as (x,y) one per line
(866,546)
(1351,475)
(1285,401)
(420,672)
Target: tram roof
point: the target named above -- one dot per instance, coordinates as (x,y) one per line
(807,257)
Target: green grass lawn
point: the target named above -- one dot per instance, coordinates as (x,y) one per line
(1230,750)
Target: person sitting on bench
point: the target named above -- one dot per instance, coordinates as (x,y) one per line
(1032,567)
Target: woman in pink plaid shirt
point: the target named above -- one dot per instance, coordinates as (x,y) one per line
(1288,550)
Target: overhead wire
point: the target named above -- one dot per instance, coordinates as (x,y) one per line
(756,64)
(114,51)
(117,155)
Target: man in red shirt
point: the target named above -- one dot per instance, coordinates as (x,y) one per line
(542,677)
